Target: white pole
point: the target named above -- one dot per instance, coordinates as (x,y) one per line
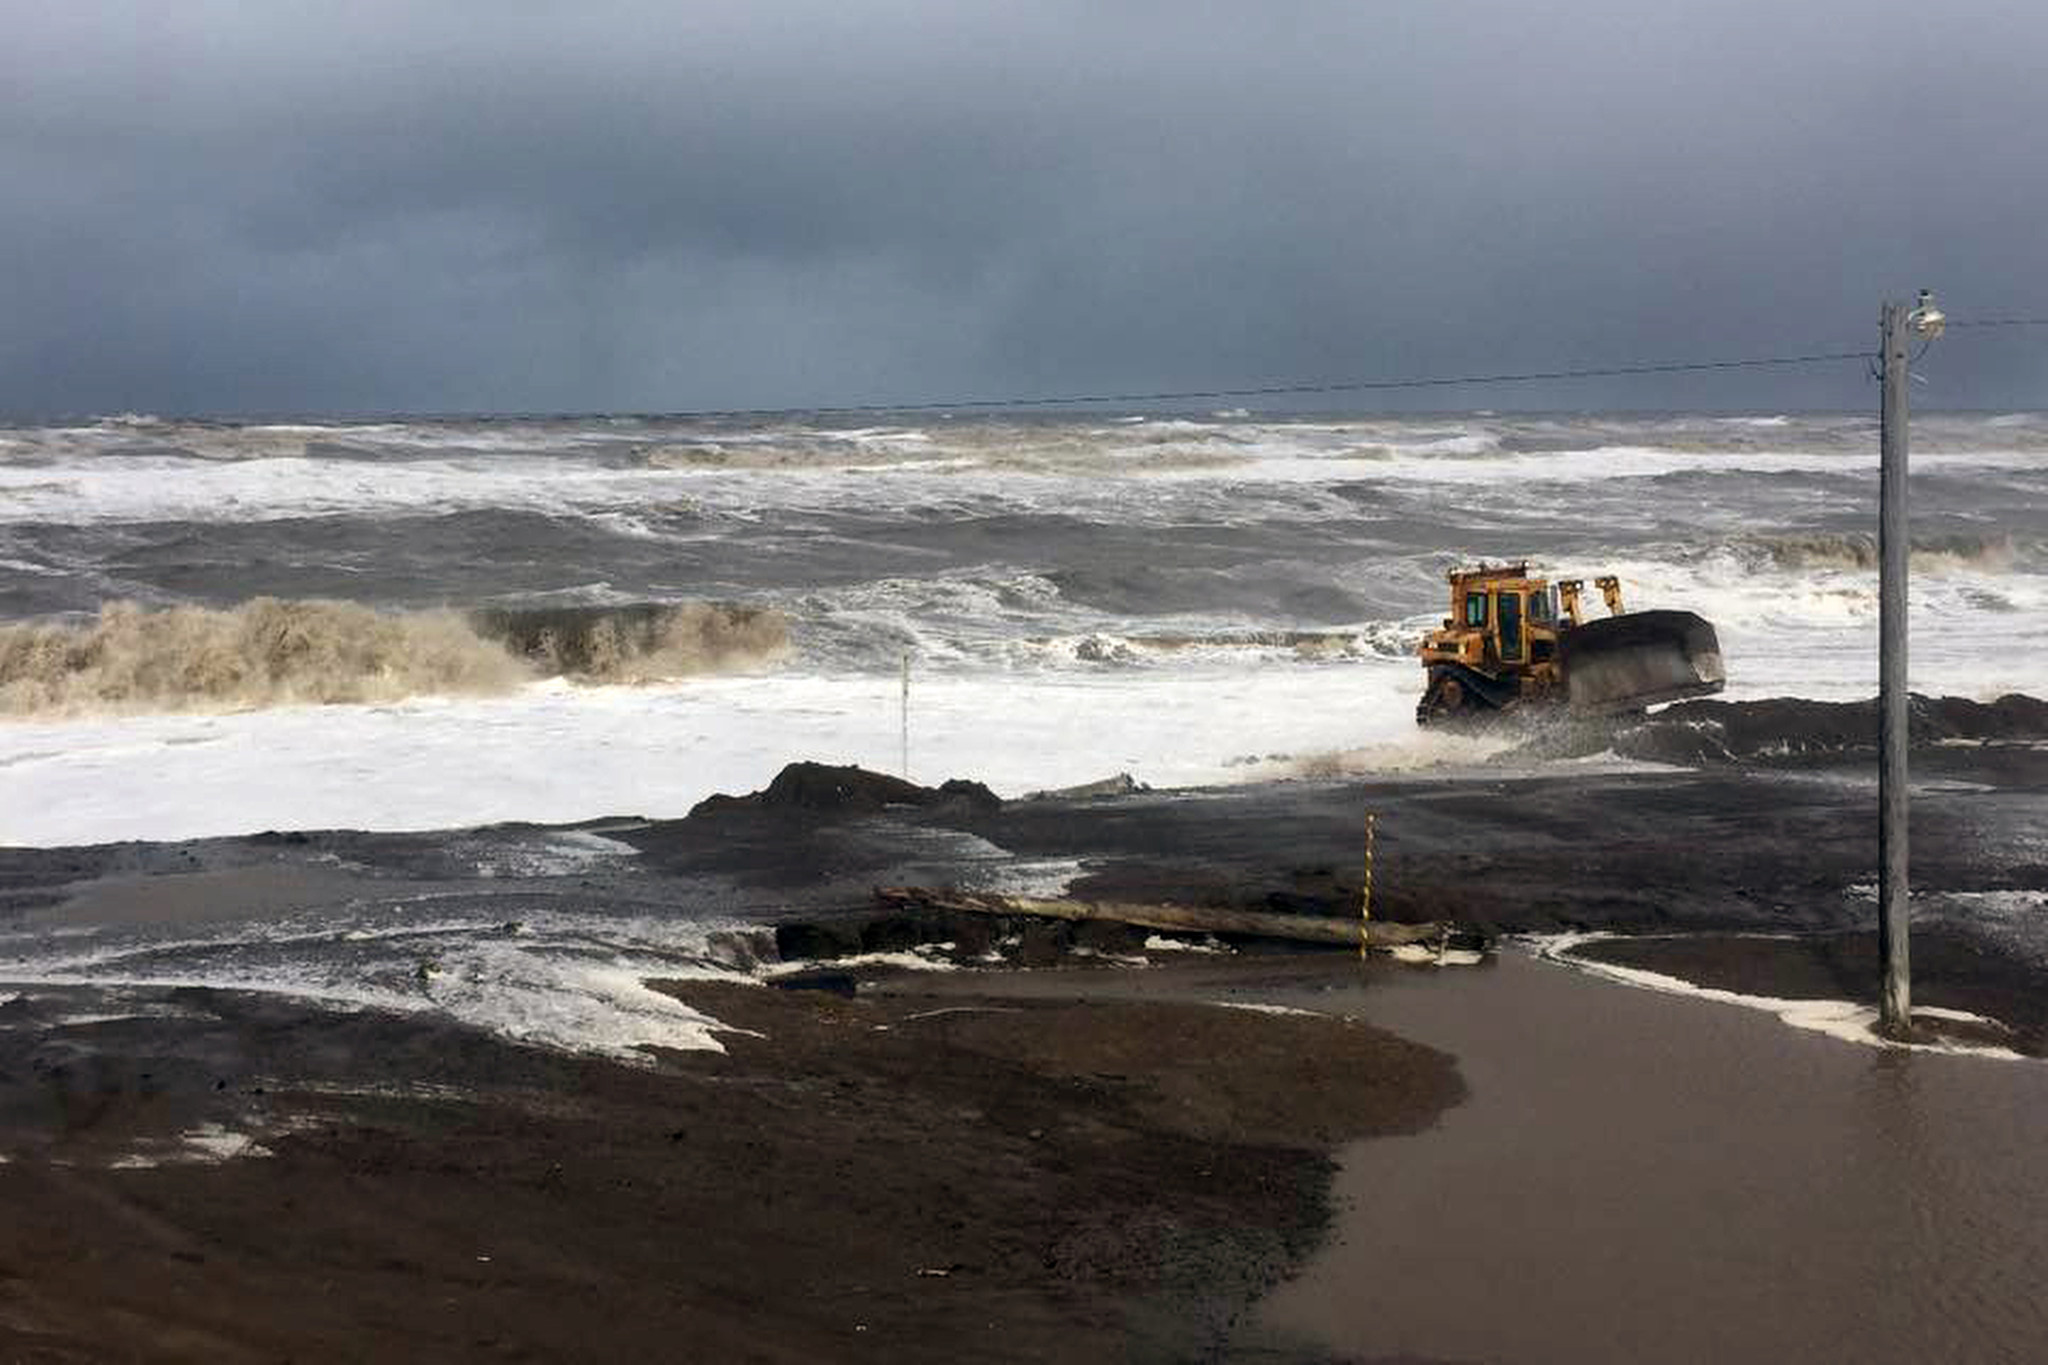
(906,716)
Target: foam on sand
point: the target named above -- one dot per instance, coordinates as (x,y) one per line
(1160,943)
(923,958)
(1840,1019)
(1256,1008)
(1422,955)
(572,982)
(209,1144)
(601,1005)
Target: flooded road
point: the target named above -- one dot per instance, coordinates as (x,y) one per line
(1638,1176)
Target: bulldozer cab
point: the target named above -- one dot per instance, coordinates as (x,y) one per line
(1501,616)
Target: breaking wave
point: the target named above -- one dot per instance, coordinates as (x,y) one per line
(640,642)
(1384,639)
(276,652)
(1859,550)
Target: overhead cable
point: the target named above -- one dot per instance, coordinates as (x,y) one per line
(2001,322)
(1342,385)
(1285,390)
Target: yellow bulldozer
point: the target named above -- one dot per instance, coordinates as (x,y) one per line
(1513,641)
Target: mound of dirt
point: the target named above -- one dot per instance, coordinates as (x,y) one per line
(1793,730)
(823,789)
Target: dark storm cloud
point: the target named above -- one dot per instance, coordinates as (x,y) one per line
(529,205)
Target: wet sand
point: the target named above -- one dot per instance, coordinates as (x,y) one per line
(1078,1163)
(1069,1163)
(899,1175)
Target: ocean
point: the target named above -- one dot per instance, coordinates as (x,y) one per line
(215,627)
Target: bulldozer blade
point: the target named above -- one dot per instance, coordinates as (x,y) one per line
(1640,658)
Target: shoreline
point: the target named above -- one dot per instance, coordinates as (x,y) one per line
(1104,1163)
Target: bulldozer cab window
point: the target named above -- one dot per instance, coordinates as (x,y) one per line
(1507,607)
(1475,609)
(1539,607)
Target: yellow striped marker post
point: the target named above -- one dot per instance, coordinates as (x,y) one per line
(1365,892)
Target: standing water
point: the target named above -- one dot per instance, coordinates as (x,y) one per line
(1643,1177)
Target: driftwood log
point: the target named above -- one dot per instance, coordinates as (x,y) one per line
(1186,919)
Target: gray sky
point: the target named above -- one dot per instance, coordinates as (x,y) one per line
(442,205)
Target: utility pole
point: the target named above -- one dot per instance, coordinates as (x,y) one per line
(1899,324)
(1895,1006)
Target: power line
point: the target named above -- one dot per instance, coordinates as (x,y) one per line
(1343,385)
(1286,390)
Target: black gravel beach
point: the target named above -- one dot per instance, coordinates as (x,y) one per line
(897,1176)
(1067,1146)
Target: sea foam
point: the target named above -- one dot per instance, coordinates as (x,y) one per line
(275,652)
